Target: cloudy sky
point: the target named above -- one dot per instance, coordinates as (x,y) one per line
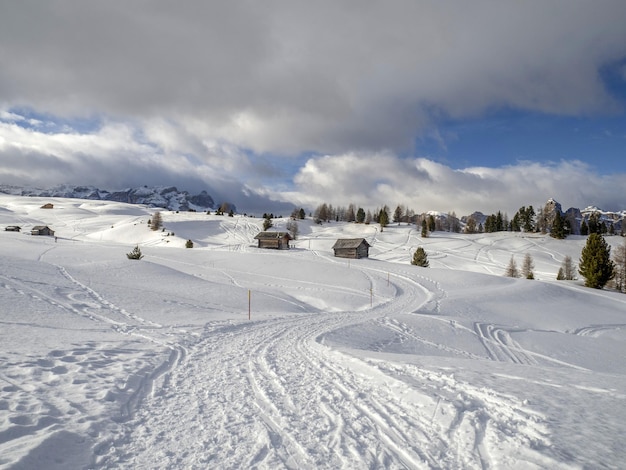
(463,106)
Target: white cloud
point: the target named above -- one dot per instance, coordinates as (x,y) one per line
(371,180)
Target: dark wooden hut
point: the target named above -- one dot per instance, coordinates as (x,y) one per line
(274,240)
(351,248)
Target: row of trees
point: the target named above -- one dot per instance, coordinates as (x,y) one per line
(547,219)
(596,266)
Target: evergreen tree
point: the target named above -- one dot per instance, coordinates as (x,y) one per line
(528,266)
(424,229)
(267,222)
(189,244)
(511,269)
(135,254)
(584,228)
(560,276)
(420,258)
(397,215)
(301,214)
(595,262)
(383,218)
(470,225)
(432,225)
(558,227)
(360,215)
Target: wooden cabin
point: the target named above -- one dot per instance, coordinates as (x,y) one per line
(354,248)
(42,230)
(273,240)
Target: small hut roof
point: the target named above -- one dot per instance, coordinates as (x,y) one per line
(271,235)
(349,243)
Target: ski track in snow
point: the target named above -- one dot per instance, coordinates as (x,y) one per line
(270,394)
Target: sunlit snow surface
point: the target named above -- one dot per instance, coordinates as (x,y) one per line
(107,362)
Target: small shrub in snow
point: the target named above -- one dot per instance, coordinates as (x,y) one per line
(135,254)
(189,244)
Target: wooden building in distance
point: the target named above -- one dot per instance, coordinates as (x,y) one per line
(354,248)
(42,230)
(273,240)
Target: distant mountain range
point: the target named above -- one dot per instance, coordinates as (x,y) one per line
(165,197)
(170,198)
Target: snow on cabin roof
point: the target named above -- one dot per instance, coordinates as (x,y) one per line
(271,235)
(349,243)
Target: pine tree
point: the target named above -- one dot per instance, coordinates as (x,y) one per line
(432,226)
(528,266)
(397,215)
(511,269)
(558,227)
(584,228)
(595,262)
(383,218)
(135,254)
(267,222)
(360,215)
(420,258)
(424,229)
(470,225)
(560,276)
(189,244)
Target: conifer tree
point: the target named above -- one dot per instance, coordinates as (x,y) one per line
(595,262)
(267,222)
(135,254)
(584,228)
(420,258)
(383,218)
(188,244)
(360,215)
(424,229)
(558,227)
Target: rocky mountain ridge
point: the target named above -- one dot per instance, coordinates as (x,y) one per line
(165,197)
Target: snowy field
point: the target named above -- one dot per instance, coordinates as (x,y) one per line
(111,363)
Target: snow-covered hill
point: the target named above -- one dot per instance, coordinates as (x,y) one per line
(227,356)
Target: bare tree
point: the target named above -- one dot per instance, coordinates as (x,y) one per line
(511,269)
(157,221)
(528,266)
(567,271)
(619,259)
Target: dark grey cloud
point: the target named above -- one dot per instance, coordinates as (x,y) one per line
(202,93)
(285,76)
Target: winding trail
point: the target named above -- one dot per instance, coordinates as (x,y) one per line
(271,394)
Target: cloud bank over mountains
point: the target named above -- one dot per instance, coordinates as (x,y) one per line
(300,101)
